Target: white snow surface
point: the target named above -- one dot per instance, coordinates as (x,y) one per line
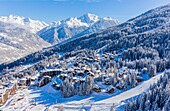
(48,99)
(27,23)
(73,27)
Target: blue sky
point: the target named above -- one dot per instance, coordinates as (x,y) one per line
(53,10)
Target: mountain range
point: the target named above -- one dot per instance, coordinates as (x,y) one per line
(73,27)
(16,42)
(24,22)
(150,29)
(20,36)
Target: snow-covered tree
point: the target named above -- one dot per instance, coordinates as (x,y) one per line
(67,88)
(152,70)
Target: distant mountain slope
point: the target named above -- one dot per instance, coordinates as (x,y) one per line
(16,42)
(139,31)
(74,27)
(27,23)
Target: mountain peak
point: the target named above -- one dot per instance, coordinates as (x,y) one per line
(107,18)
(89,18)
(74,27)
(13,16)
(26,22)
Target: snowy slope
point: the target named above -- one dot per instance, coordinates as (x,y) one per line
(15,42)
(74,27)
(27,23)
(47,98)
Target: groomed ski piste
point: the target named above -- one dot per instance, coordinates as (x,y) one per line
(48,99)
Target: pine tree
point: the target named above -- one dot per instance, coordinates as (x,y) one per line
(67,88)
(152,70)
(147,105)
(167,105)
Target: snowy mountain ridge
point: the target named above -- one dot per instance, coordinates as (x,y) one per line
(75,26)
(16,42)
(25,22)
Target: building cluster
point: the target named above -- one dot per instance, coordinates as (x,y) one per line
(104,69)
(7,90)
(99,72)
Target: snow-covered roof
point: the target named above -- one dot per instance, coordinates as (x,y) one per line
(1,87)
(35,76)
(107,79)
(63,74)
(139,77)
(109,88)
(22,80)
(7,86)
(96,86)
(47,77)
(48,70)
(75,78)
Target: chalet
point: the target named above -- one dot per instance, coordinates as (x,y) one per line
(14,88)
(139,73)
(33,78)
(110,90)
(58,87)
(76,64)
(90,74)
(44,80)
(111,57)
(144,70)
(72,73)
(80,73)
(108,81)
(24,82)
(120,75)
(7,90)
(125,77)
(86,71)
(84,58)
(82,80)
(83,68)
(96,60)
(139,79)
(74,79)
(62,76)
(97,72)
(118,86)
(104,55)
(77,69)
(96,88)
(4,95)
(51,72)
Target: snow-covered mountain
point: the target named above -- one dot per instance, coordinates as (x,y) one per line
(16,42)
(74,27)
(27,23)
